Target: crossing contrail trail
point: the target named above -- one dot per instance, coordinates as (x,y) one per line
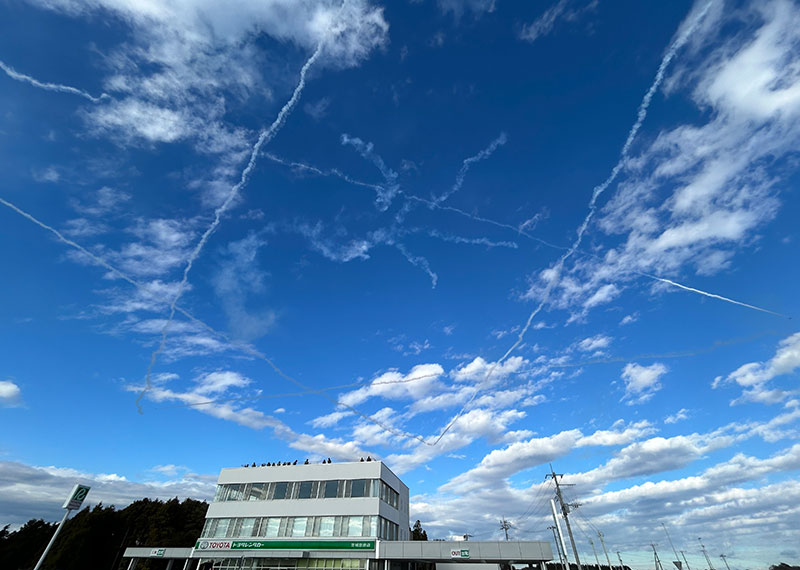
(244,348)
(555,274)
(320,172)
(14,74)
(263,138)
(365,149)
(468,162)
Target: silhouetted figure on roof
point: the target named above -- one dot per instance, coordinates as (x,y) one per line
(329,459)
(263,465)
(254,464)
(362,460)
(306,463)
(295,462)
(369,458)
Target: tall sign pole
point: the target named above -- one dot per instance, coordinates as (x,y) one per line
(73,502)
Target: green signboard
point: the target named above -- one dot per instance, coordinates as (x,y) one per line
(303,544)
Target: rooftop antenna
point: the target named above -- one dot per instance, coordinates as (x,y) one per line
(677,561)
(565,511)
(725,560)
(703,548)
(655,555)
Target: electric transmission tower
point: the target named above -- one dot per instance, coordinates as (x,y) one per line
(565,507)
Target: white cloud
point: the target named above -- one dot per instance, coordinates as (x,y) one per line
(594,343)
(49,174)
(10,394)
(618,436)
(680,415)
(641,382)
(754,377)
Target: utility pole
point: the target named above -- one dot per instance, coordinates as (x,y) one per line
(621,564)
(684,559)
(565,511)
(603,543)
(655,555)
(703,548)
(725,560)
(505,525)
(558,547)
(677,561)
(595,553)
(560,534)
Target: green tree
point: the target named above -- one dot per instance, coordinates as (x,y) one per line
(417,533)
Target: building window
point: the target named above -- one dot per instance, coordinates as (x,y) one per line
(305,490)
(326,526)
(299,526)
(358,488)
(257,492)
(331,489)
(280,491)
(221,528)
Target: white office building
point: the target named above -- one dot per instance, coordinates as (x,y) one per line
(329,516)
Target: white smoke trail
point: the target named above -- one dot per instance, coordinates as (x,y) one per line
(385,193)
(14,74)
(244,348)
(472,241)
(318,171)
(264,137)
(555,273)
(714,296)
(420,262)
(468,162)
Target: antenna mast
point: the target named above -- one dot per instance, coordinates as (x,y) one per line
(703,548)
(677,561)
(565,511)
(603,542)
(655,555)
(558,547)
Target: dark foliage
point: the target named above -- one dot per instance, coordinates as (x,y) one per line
(417,533)
(96,538)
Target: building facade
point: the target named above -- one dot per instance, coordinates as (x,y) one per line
(329,516)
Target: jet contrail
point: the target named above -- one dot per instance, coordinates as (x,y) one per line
(318,171)
(14,74)
(246,349)
(420,262)
(596,192)
(714,296)
(365,149)
(264,137)
(468,162)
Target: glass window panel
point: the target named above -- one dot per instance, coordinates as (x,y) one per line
(280,491)
(305,490)
(233,528)
(358,487)
(326,526)
(257,492)
(354,526)
(273,525)
(331,488)
(248,525)
(299,526)
(283,529)
(222,528)
(365,526)
(220,493)
(234,493)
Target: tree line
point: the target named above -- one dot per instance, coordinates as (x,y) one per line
(97,537)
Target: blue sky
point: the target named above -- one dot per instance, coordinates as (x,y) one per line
(467,237)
